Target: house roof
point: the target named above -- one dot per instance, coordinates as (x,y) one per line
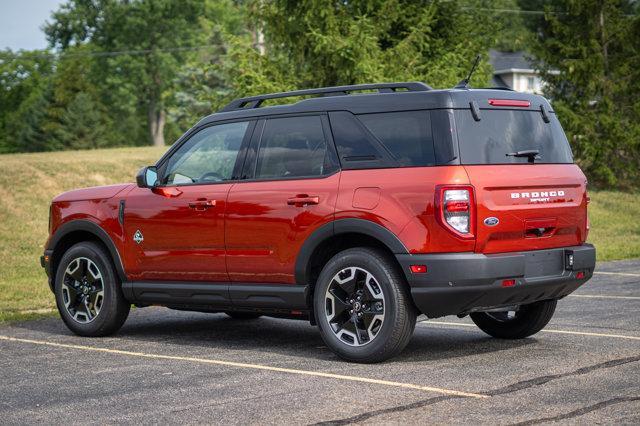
(506,62)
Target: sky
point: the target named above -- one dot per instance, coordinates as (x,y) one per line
(20,22)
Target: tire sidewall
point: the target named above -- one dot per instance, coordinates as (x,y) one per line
(109,281)
(356,258)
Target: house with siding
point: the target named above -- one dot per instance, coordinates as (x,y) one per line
(514,71)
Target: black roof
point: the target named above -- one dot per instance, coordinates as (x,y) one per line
(382,101)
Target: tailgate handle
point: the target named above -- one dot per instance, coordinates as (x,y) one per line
(537,228)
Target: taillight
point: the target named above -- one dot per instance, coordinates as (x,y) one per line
(455,209)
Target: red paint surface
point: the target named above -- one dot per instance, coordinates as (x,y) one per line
(252,232)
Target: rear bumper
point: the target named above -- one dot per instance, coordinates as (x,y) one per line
(459,283)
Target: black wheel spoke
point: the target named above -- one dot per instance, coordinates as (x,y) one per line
(340,304)
(367,319)
(361,332)
(77,273)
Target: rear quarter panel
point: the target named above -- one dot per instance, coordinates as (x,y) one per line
(402,200)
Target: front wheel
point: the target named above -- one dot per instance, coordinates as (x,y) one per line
(88,292)
(362,306)
(518,324)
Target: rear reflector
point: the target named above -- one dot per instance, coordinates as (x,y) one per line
(510,103)
(419,269)
(508,283)
(580,275)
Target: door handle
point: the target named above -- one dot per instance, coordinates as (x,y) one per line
(303,200)
(202,204)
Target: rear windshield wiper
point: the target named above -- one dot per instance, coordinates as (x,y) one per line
(531,154)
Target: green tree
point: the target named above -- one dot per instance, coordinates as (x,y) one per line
(158,35)
(25,78)
(312,43)
(589,55)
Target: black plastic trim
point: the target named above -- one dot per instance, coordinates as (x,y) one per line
(92,228)
(458,283)
(256,101)
(343,226)
(211,296)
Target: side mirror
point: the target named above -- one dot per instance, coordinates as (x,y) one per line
(147,177)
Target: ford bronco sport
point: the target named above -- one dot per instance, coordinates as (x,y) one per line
(356,211)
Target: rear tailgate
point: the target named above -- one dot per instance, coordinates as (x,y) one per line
(536,206)
(529,194)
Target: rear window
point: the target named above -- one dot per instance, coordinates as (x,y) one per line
(502,132)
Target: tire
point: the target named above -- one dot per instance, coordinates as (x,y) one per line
(243,315)
(107,309)
(361,338)
(528,320)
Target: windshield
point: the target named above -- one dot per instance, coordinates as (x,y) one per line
(502,136)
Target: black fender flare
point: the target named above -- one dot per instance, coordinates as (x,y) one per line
(94,229)
(344,226)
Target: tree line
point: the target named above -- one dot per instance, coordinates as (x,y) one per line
(140,72)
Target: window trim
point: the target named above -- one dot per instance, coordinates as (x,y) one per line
(164,160)
(251,159)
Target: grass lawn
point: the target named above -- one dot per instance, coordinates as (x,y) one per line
(28,182)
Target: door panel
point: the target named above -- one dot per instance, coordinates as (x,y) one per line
(183,238)
(265,230)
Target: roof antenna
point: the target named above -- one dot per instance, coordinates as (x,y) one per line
(464,83)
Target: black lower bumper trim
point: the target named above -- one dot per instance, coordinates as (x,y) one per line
(460,283)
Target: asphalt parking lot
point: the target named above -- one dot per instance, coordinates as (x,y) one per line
(180,367)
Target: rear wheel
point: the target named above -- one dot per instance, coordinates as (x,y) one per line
(243,315)
(518,324)
(88,292)
(362,306)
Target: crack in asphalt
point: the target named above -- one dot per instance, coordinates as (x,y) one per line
(515,387)
(369,414)
(580,411)
(541,380)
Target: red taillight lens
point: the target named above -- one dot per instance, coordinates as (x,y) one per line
(580,275)
(456,209)
(508,283)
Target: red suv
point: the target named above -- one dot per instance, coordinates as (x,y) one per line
(356,211)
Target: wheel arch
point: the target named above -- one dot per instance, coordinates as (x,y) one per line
(337,236)
(74,232)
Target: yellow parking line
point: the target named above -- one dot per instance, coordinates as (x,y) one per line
(626,274)
(250,366)
(596,296)
(578,333)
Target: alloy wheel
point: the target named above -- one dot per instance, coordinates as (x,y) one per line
(83,290)
(355,306)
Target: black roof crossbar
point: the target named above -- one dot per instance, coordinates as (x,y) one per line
(256,101)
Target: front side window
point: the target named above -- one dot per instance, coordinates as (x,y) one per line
(208,156)
(292,147)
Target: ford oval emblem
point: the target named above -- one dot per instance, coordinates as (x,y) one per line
(491,221)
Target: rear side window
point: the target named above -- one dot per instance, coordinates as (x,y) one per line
(393,139)
(292,147)
(502,132)
(406,135)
